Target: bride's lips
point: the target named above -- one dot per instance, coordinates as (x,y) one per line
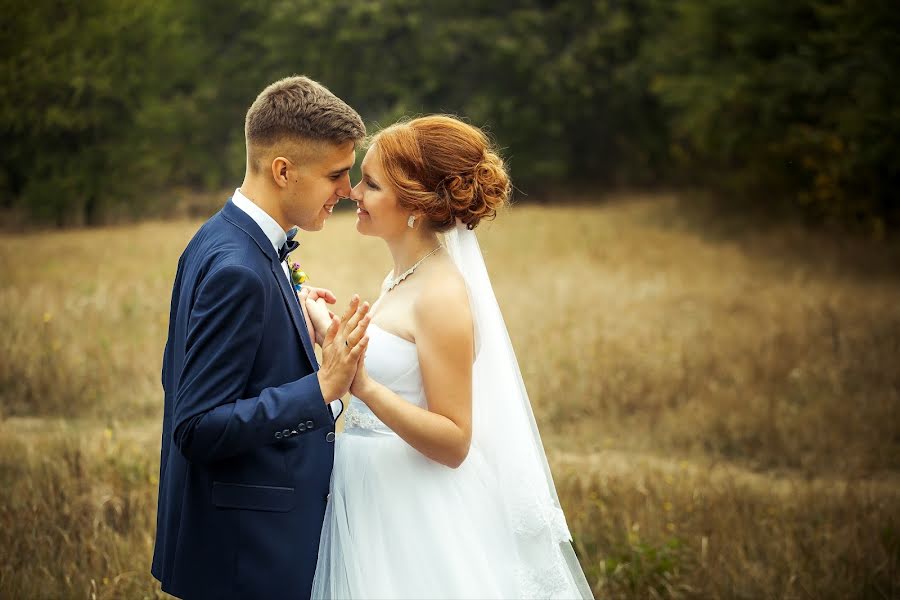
(361,212)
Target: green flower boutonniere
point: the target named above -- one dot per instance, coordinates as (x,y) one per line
(298,276)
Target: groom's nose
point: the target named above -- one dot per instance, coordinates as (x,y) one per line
(343,189)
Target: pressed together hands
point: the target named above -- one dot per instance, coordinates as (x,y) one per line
(343,341)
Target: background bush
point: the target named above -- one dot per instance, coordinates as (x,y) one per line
(105,106)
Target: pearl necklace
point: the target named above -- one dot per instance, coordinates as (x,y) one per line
(393,282)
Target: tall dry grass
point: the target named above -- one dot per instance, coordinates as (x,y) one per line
(720,408)
(77,509)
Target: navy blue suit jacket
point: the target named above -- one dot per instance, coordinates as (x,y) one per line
(247,441)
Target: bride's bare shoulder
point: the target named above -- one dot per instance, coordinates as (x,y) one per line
(443,285)
(443,302)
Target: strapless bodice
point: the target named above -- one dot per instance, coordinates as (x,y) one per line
(394,363)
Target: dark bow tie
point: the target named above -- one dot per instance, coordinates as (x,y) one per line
(289,246)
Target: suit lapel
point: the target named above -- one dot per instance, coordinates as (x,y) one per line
(244,222)
(293,304)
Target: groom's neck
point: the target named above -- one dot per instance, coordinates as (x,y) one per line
(258,194)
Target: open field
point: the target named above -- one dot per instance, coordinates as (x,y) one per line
(721,407)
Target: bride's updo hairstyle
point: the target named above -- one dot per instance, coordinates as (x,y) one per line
(444,169)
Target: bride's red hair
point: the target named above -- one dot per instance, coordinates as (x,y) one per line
(444,169)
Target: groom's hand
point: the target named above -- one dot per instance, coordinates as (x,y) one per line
(314,293)
(318,317)
(345,341)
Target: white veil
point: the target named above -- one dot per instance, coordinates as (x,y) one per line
(504,430)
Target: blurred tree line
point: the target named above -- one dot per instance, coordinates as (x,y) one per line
(105,105)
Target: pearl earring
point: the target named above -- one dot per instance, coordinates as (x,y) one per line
(411,222)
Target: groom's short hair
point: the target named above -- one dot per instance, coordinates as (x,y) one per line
(295,110)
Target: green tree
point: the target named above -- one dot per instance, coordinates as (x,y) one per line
(786,103)
(73,76)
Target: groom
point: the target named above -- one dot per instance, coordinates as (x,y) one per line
(248,434)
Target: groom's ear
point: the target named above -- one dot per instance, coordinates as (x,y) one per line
(280,168)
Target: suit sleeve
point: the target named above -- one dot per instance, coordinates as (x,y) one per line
(224,331)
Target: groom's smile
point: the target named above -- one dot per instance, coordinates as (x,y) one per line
(320,185)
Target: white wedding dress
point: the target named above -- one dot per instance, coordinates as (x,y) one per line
(399,525)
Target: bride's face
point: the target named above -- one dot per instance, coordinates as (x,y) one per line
(377,210)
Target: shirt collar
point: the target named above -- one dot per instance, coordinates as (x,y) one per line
(269,226)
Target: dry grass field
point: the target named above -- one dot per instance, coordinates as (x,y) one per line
(721,405)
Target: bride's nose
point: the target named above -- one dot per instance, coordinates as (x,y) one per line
(356,192)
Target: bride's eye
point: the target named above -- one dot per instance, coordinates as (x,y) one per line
(372,185)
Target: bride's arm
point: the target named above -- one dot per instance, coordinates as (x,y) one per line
(444,341)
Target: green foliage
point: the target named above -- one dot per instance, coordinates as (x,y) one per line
(788,102)
(106,105)
(640,566)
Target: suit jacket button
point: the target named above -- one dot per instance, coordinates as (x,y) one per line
(301,427)
(329,437)
(309,425)
(294,432)
(277,435)
(286,432)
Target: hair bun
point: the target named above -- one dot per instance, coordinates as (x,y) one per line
(479,194)
(444,168)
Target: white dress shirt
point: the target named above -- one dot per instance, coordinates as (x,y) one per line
(269,226)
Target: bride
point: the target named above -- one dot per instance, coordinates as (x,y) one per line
(441,487)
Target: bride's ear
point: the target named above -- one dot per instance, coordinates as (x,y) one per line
(280,168)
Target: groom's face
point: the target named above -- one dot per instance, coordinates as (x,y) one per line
(317,184)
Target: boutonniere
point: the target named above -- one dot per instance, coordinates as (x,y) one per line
(298,276)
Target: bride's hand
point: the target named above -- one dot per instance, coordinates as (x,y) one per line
(361,381)
(317,314)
